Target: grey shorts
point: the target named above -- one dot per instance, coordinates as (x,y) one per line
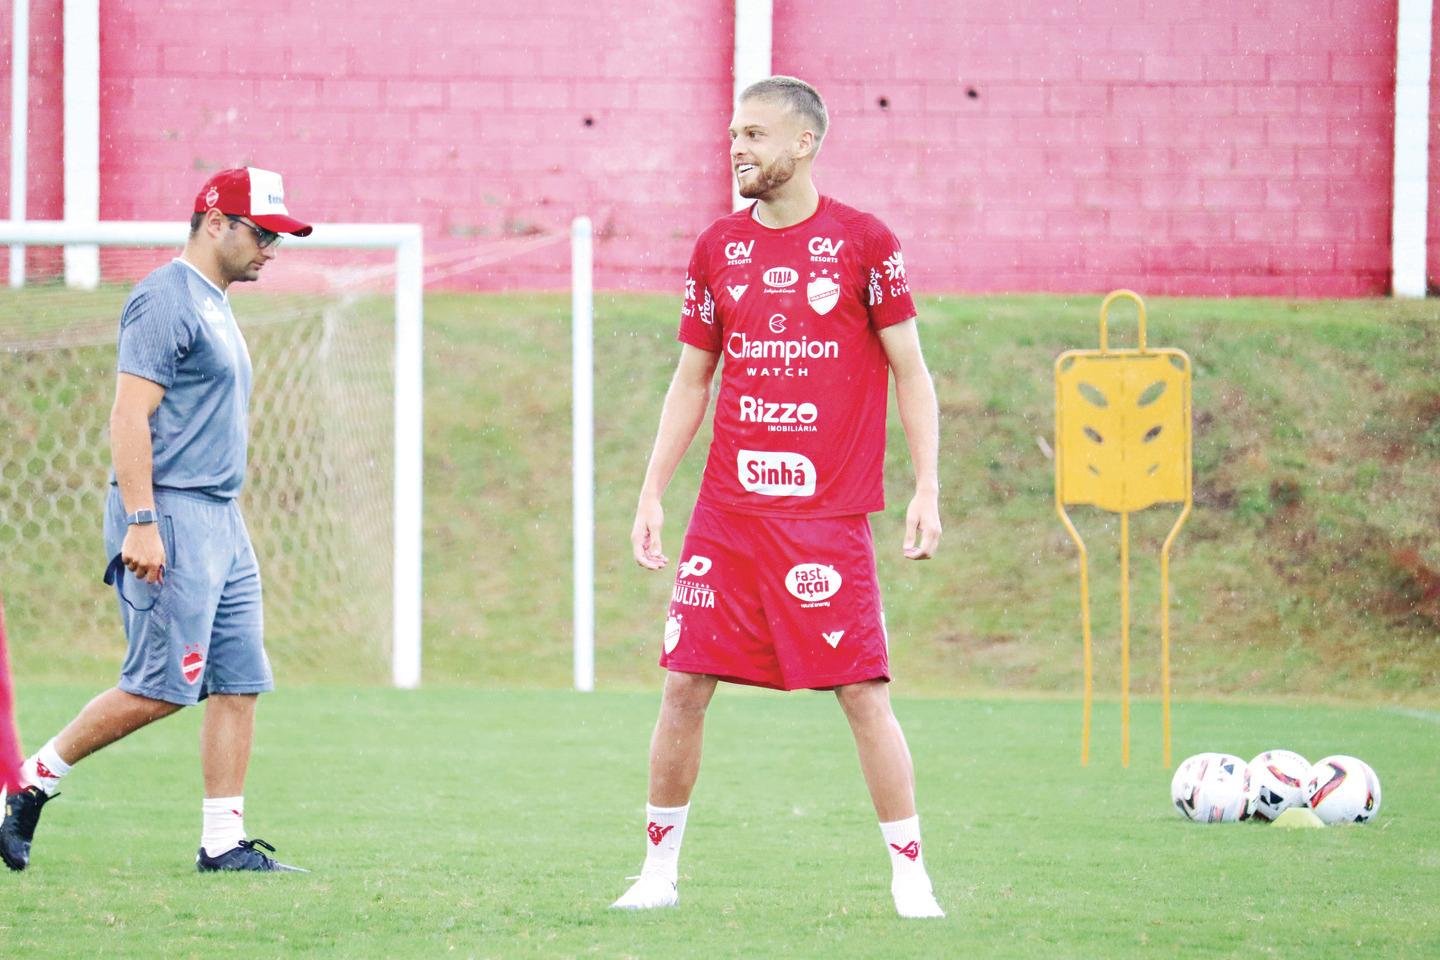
(205,632)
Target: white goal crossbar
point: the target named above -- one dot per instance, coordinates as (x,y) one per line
(406,240)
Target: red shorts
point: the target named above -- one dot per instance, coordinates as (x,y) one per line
(780,603)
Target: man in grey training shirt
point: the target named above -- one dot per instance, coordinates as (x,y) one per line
(191,601)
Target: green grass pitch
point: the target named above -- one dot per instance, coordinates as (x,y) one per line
(473,823)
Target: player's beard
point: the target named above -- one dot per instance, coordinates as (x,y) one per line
(768,178)
(239,267)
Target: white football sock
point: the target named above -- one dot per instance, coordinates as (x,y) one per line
(664,829)
(909,883)
(902,840)
(45,769)
(224,824)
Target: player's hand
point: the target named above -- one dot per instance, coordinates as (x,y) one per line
(645,535)
(143,552)
(922,526)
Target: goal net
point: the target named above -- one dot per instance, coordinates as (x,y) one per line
(333,329)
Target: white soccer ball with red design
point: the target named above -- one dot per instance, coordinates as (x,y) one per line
(1274,782)
(1343,789)
(1185,785)
(1210,788)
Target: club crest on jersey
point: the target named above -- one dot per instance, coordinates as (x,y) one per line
(776,473)
(738,252)
(192,664)
(823,293)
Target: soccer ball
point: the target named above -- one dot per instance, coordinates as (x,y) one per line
(1274,781)
(1185,785)
(1343,789)
(1210,788)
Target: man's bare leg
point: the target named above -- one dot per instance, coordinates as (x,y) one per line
(678,737)
(884,755)
(111,716)
(225,738)
(675,750)
(226,735)
(890,775)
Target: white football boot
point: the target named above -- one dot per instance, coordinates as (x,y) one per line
(914,899)
(650,890)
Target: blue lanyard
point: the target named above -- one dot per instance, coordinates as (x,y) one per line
(115,574)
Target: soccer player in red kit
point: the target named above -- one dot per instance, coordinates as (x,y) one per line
(807,302)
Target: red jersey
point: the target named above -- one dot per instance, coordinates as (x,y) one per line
(800,421)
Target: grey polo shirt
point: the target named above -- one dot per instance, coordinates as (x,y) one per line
(177,331)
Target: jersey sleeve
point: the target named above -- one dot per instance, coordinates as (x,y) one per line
(887,286)
(152,339)
(698,326)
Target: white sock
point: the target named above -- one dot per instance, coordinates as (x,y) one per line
(45,769)
(224,824)
(664,829)
(902,840)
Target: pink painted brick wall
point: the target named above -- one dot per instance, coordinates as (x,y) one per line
(479,125)
(1238,147)
(1232,147)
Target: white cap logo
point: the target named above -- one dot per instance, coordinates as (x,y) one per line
(267,193)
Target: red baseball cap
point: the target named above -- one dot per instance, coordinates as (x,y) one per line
(254,193)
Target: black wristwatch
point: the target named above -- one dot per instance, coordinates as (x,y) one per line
(146,515)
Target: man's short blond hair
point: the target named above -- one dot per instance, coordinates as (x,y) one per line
(798,96)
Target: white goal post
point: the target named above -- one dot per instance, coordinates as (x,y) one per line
(582,423)
(406,240)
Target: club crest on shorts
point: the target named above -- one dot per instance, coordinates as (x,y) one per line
(672,633)
(192,664)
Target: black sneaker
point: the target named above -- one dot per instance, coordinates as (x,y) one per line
(244,857)
(22,813)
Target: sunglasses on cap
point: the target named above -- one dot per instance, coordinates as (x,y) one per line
(264,239)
